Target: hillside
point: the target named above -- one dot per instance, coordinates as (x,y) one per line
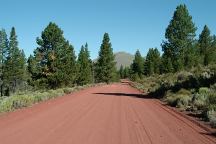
(123,58)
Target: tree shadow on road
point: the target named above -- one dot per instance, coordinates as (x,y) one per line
(213,134)
(127,94)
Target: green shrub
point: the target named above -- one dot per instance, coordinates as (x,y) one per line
(183,76)
(211,115)
(2,98)
(22,99)
(181,99)
(171,100)
(184,92)
(56,93)
(6,105)
(38,98)
(204,90)
(200,99)
(212,98)
(68,90)
(15,102)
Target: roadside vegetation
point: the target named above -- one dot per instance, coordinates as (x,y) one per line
(184,75)
(27,98)
(53,70)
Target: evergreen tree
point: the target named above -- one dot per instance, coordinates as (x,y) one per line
(121,72)
(138,65)
(152,62)
(34,68)
(85,66)
(14,65)
(54,62)
(66,67)
(180,37)
(214,49)
(105,67)
(205,45)
(167,66)
(31,69)
(126,72)
(3,55)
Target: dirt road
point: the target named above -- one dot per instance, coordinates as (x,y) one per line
(111,114)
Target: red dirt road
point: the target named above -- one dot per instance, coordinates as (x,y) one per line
(110,114)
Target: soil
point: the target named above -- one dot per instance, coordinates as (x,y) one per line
(108,114)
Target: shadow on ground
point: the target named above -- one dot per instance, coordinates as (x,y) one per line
(210,134)
(126,94)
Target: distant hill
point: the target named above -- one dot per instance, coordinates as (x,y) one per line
(123,58)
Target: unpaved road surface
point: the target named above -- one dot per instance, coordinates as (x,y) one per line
(111,114)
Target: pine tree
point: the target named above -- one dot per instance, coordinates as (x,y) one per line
(14,65)
(126,72)
(105,67)
(205,45)
(34,68)
(90,65)
(138,65)
(66,66)
(85,66)
(152,62)
(54,62)
(31,69)
(121,72)
(180,37)
(214,49)
(167,66)
(3,55)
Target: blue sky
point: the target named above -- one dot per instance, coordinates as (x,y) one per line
(131,24)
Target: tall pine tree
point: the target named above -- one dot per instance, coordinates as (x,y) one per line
(3,55)
(152,62)
(137,66)
(121,72)
(180,37)
(54,62)
(85,66)
(105,70)
(14,65)
(205,45)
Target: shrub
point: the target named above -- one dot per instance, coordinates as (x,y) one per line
(68,90)
(57,93)
(171,100)
(15,102)
(28,98)
(183,76)
(6,105)
(181,99)
(212,98)
(211,115)
(184,92)
(213,87)
(2,98)
(22,101)
(200,99)
(204,90)
(38,97)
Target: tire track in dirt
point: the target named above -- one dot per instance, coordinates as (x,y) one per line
(142,126)
(176,129)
